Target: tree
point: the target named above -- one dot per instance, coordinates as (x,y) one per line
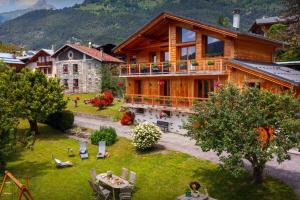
(246,124)
(37,97)
(8,120)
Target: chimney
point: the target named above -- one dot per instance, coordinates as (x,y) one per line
(101,53)
(90,44)
(52,47)
(236,19)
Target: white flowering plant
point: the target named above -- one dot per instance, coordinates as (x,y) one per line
(145,135)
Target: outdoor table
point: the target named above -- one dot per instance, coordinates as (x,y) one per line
(115,182)
(201,197)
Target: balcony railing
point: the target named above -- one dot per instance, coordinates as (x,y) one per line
(214,66)
(164,101)
(48,63)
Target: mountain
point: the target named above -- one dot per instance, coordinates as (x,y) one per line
(111,21)
(39,5)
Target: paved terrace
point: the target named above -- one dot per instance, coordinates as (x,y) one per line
(288,171)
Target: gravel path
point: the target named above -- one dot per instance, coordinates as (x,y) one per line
(288,171)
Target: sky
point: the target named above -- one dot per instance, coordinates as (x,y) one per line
(9,5)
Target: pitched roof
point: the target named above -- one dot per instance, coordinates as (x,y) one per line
(94,53)
(208,26)
(274,70)
(33,58)
(10,59)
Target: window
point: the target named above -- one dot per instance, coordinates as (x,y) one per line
(188,53)
(186,35)
(203,88)
(213,46)
(153,58)
(165,56)
(70,55)
(133,59)
(75,68)
(254,84)
(75,83)
(65,69)
(39,59)
(66,84)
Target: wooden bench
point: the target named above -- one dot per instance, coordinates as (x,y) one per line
(164,126)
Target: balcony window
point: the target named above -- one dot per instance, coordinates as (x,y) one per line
(164,56)
(75,83)
(213,46)
(153,58)
(186,35)
(75,68)
(65,83)
(65,69)
(188,53)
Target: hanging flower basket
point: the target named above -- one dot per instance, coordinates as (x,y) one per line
(120,84)
(161,82)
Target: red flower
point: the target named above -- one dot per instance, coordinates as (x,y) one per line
(102,100)
(161,82)
(120,84)
(127,118)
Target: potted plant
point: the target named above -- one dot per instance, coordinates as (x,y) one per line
(181,101)
(210,62)
(183,65)
(147,99)
(166,66)
(154,67)
(133,68)
(123,70)
(137,99)
(168,101)
(157,99)
(143,68)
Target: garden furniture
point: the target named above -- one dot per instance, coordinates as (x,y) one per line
(60,164)
(113,181)
(164,126)
(124,173)
(83,152)
(93,174)
(99,191)
(125,193)
(101,150)
(132,178)
(200,197)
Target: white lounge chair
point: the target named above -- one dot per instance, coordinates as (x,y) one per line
(83,152)
(60,164)
(101,150)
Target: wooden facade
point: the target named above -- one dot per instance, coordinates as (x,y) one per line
(173,59)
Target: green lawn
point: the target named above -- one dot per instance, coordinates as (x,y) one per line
(161,175)
(112,110)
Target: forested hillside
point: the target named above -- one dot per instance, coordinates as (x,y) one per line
(111,21)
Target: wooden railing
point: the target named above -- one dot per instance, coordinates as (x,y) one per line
(48,63)
(178,67)
(165,101)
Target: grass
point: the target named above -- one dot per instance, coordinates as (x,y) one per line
(161,174)
(112,110)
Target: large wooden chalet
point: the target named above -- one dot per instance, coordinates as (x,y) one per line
(173,62)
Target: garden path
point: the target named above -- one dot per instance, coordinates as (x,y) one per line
(288,171)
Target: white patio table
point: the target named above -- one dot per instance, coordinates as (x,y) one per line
(115,182)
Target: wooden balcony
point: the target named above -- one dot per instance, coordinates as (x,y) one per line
(201,67)
(41,64)
(162,102)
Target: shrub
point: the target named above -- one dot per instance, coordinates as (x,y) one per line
(127,118)
(107,134)
(102,100)
(61,120)
(145,135)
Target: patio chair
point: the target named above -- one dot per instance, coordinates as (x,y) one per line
(125,193)
(60,164)
(100,192)
(124,173)
(132,178)
(101,150)
(83,152)
(94,174)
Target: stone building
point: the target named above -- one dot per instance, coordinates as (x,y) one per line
(77,67)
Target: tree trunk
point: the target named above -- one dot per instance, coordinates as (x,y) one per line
(258,174)
(33,126)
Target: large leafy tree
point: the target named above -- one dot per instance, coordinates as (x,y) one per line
(246,124)
(8,120)
(37,97)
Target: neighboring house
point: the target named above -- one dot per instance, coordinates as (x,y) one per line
(42,61)
(262,25)
(175,62)
(12,61)
(77,67)
(291,64)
